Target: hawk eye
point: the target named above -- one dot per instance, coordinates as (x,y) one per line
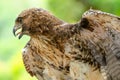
(19,19)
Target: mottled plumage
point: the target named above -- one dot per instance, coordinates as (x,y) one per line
(57,50)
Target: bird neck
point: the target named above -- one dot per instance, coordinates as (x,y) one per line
(48,27)
(59,34)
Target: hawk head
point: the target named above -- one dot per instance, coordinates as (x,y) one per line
(35,21)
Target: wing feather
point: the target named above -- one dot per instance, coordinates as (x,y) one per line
(104,38)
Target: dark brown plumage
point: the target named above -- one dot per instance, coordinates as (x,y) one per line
(87,50)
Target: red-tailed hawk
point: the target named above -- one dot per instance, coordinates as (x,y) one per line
(57,50)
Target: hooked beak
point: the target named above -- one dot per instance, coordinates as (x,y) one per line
(20,34)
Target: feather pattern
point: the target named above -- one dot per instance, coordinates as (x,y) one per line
(87,50)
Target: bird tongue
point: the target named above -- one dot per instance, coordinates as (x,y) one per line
(19,33)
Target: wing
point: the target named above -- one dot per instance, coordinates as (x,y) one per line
(101,32)
(32,62)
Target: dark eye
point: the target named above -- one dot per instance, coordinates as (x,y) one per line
(19,19)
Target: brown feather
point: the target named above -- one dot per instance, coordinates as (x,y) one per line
(87,50)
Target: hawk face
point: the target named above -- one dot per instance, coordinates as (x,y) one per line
(19,25)
(27,22)
(35,21)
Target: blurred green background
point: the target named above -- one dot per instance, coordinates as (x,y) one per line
(11,65)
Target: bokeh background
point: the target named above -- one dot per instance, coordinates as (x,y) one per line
(11,65)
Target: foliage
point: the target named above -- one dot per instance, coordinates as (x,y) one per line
(11,65)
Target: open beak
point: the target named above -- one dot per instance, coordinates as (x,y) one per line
(15,32)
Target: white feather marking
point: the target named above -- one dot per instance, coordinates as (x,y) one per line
(24,50)
(104,73)
(95,12)
(67,48)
